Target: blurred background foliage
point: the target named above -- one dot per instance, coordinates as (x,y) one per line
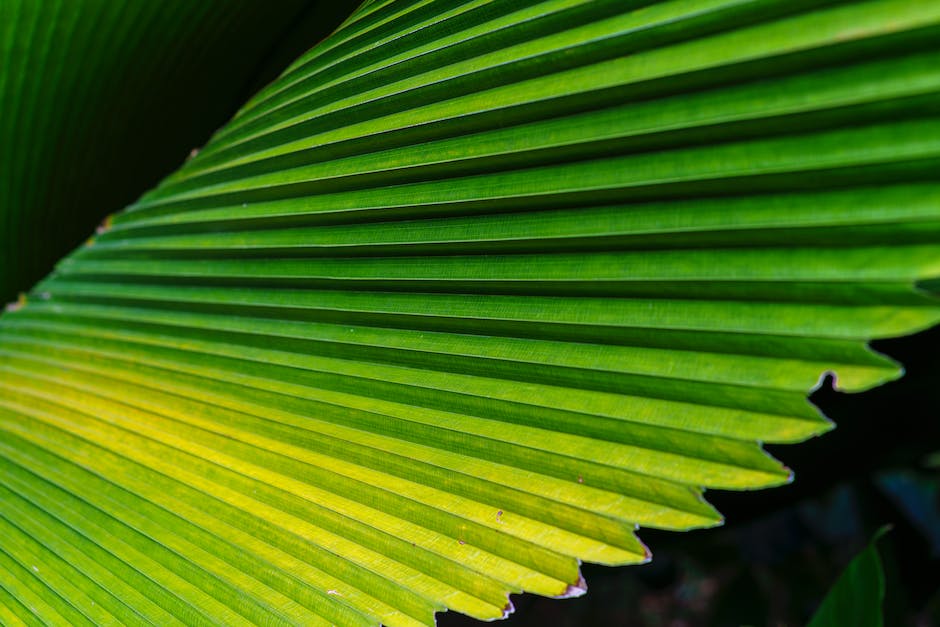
(79,141)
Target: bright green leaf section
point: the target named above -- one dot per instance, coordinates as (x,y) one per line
(469,294)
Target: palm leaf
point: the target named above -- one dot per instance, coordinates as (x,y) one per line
(857,596)
(469,293)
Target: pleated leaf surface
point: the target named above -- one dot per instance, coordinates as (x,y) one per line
(470,293)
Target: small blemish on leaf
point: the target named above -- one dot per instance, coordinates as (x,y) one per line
(578,588)
(104,226)
(580,479)
(461,542)
(18,304)
(508,609)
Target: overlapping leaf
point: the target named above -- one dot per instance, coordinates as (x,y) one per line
(100,99)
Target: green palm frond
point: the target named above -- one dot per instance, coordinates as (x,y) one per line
(468,294)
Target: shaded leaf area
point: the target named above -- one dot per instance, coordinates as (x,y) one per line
(99,100)
(469,293)
(857,596)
